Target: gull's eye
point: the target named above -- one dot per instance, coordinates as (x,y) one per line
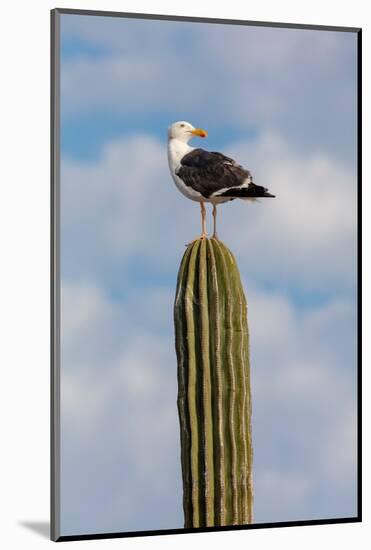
(182,125)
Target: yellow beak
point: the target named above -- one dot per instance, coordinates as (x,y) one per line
(199,132)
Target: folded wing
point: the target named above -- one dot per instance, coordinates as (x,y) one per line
(215,175)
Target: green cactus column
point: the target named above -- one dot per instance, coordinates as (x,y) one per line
(214,398)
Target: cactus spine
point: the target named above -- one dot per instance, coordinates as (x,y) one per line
(214,399)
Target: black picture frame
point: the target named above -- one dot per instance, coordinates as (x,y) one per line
(55,274)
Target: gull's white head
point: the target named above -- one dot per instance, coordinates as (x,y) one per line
(184,131)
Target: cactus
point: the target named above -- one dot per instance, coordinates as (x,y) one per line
(214,399)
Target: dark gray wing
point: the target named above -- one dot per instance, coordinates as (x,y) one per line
(211,173)
(216,175)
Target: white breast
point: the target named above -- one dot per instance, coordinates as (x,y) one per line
(176,150)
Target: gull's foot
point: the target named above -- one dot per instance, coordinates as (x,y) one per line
(201,237)
(215,236)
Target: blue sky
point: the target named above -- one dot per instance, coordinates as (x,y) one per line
(282,102)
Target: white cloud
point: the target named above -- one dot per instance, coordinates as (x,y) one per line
(340,452)
(84,84)
(306,237)
(82,306)
(119,365)
(304,407)
(283,493)
(120,424)
(301,83)
(120,442)
(308,233)
(112,34)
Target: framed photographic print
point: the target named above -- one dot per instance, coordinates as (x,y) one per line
(205,274)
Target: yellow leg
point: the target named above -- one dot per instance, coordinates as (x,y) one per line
(215,235)
(203,217)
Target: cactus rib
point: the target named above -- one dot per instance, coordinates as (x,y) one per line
(214,398)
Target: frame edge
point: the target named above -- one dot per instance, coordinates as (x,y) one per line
(55,278)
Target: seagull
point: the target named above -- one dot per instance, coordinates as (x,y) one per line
(205,176)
